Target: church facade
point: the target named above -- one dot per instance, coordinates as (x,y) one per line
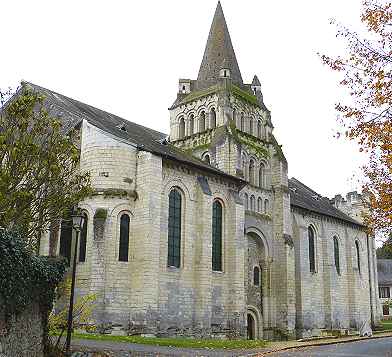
(201,233)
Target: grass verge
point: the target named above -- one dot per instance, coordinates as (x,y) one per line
(386,325)
(175,342)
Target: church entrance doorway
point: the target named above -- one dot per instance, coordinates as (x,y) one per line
(251,327)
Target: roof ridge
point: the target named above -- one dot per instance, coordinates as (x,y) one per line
(306,187)
(93,107)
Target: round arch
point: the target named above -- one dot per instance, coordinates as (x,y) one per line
(261,236)
(254,323)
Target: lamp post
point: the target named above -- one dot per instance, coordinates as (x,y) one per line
(77,225)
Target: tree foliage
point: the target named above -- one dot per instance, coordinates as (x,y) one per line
(366,115)
(39,166)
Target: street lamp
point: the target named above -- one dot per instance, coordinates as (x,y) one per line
(77,225)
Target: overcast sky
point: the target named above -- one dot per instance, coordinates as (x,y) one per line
(126,57)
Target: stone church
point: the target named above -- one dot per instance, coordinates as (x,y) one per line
(200,232)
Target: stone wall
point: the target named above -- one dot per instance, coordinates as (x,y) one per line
(22,335)
(328,299)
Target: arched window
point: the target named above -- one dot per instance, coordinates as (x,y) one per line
(262,176)
(234,117)
(124,238)
(358,256)
(259,205)
(246,201)
(266,206)
(202,122)
(252,203)
(182,128)
(251,126)
(191,124)
(242,126)
(251,172)
(259,133)
(83,240)
(336,253)
(256,276)
(213,118)
(217,236)
(174,229)
(311,241)
(207,159)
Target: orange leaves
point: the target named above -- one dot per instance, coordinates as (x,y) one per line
(367,116)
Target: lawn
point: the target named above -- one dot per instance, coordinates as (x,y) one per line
(176,342)
(386,324)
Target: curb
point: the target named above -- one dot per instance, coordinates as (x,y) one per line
(286,348)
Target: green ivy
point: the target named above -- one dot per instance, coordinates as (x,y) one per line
(247,96)
(24,277)
(101,213)
(254,145)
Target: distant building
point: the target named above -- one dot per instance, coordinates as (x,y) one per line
(201,233)
(384,268)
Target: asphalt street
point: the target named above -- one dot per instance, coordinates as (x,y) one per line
(365,348)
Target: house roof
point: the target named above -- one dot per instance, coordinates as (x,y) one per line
(384,269)
(304,197)
(218,54)
(72,112)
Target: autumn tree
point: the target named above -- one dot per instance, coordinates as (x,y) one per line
(39,166)
(366,114)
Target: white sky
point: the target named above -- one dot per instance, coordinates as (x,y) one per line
(126,57)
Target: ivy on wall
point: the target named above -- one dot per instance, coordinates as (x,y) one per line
(248,141)
(24,277)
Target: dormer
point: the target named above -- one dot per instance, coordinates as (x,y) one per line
(184,86)
(224,73)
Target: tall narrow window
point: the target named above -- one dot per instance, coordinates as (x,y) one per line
(259,129)
(66,240)
(202,122)
(174,229)
(312,260)
(83,240)
(266,206)
(182,128)
(256,276)
(251,172)
(217,236)
(262,175)
(191,124)
(336,253)
(242,126)
(252,203)
(213,118)
(251,126)
(259,205)
(246,201)
(124,238)
(358,256)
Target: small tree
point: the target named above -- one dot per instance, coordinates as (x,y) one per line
(366,115)
(39,166)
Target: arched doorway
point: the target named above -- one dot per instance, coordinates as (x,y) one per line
(251,327)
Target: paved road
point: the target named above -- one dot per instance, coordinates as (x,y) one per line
(366,348)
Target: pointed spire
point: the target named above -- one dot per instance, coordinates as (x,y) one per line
(256,81)
(219,52)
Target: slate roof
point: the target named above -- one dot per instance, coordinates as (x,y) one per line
(384,269)
(219,53)
(304,197)
(72,112)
